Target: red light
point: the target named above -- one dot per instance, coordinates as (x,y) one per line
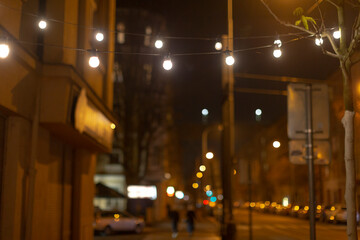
(206,202)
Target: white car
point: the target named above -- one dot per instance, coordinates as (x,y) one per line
(108,222)
(341,216)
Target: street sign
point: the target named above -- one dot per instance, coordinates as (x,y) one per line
(297,111)
(322,152)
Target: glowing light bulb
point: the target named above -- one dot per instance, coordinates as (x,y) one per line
(205,112)
(167,64)
(159,44)
(277,52)
(276,144)
(112,126)
(258,112)
(209,155)
(179,194)
(42,24)
(337,34)
(278,42)
(318,40)
(218,45)
(94,61)
(99,37)
(229,60)
(4,50)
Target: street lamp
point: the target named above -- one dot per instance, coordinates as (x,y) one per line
(205,112)
(258,113)
(202,168)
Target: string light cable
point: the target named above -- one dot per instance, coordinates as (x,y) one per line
(158,54)
(43,21)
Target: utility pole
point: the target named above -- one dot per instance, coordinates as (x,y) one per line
(228,228)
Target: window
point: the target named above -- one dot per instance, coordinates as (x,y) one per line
(121,33)
(148,71)
(147,39)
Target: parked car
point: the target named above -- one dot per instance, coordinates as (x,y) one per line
(283,210)
(108,222)
(341,216)
(303,212)
(330,213)
(294,210)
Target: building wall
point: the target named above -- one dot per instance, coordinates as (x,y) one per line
(48,165)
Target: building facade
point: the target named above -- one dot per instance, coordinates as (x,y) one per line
(56,116)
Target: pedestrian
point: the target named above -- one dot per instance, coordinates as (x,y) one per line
(174,222)
(190,218)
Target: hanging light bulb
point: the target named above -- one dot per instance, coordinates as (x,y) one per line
(94,61)
(337,34)
(99,36)
(218,45)
(167,64)
(4,49)
(42,24)
(277,52)
(159,43)
(318,40)
(278,42)
(229,60)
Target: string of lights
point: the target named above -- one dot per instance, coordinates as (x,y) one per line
(43,24)
(94,60)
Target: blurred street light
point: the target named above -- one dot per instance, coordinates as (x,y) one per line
(170,191)
(202,168)
(179,195)
(258,113)
(199,175)
(205,112)
(195,185)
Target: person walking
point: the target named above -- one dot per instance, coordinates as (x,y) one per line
(190,218)
(174,222)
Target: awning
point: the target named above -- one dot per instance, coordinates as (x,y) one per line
(103,191)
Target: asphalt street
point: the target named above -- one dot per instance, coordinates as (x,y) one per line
(265,227)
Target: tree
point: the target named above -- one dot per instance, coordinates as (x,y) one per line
(144,116)
(345,53)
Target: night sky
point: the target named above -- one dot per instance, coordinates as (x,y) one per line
(196,80)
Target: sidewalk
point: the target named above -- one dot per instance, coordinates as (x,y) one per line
(206,229)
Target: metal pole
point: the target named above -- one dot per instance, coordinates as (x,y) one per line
(310,159)
(250,199)
(228,150)
(203,145)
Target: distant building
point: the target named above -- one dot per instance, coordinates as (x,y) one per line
(274,177)
(141,104)
(55,116)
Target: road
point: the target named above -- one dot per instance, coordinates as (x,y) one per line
(265,227)
(273,227)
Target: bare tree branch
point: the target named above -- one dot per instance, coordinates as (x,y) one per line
(352,3)
(285,23)
(330,54)
(334,4)
(332,42)
(356,35)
